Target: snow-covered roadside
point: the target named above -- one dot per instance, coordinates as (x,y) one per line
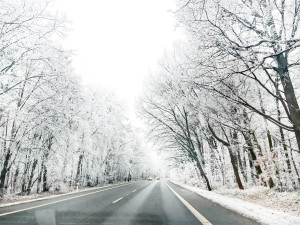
(15,200)
(288,202)
(254,211)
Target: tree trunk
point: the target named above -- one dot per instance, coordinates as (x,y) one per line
(204,176)
(252,154)
(45,185)
(79,168)
(39,179)
(235,169)
(4,171)
(289,94)
(31,176)
(23,188)
(15,179)
(266,123)
(5,164)
(235,144)
(232,158)
(293,162)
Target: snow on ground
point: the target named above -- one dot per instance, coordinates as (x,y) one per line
(266,207)
(10,200)
(288,202)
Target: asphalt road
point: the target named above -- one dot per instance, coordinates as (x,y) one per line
(147,203)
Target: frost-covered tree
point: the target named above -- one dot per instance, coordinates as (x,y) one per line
(55,134)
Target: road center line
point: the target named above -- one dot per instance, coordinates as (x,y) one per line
(201,218)
(117,200)
(128,194)
(3,214)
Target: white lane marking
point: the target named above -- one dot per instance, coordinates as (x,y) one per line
(128,194)
(139,188)
(3,214)
(201,218)
(117,200)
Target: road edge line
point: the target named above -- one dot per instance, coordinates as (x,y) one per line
(20,210)
(198,215)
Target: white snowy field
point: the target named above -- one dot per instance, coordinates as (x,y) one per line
(259,204)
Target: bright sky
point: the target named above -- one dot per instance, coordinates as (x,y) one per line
(117,43)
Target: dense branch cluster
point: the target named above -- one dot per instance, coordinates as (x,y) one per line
(226,100)
(54,134)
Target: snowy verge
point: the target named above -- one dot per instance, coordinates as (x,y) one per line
(283,201)
(253,211)
(37,197)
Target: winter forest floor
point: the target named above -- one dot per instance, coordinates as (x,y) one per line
(14,199)
(259,203)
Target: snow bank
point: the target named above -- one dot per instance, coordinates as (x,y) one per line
(254,211)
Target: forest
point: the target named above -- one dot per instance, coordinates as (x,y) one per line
(55,133)
(223,104)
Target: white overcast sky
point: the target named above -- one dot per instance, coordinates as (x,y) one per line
(118,42)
